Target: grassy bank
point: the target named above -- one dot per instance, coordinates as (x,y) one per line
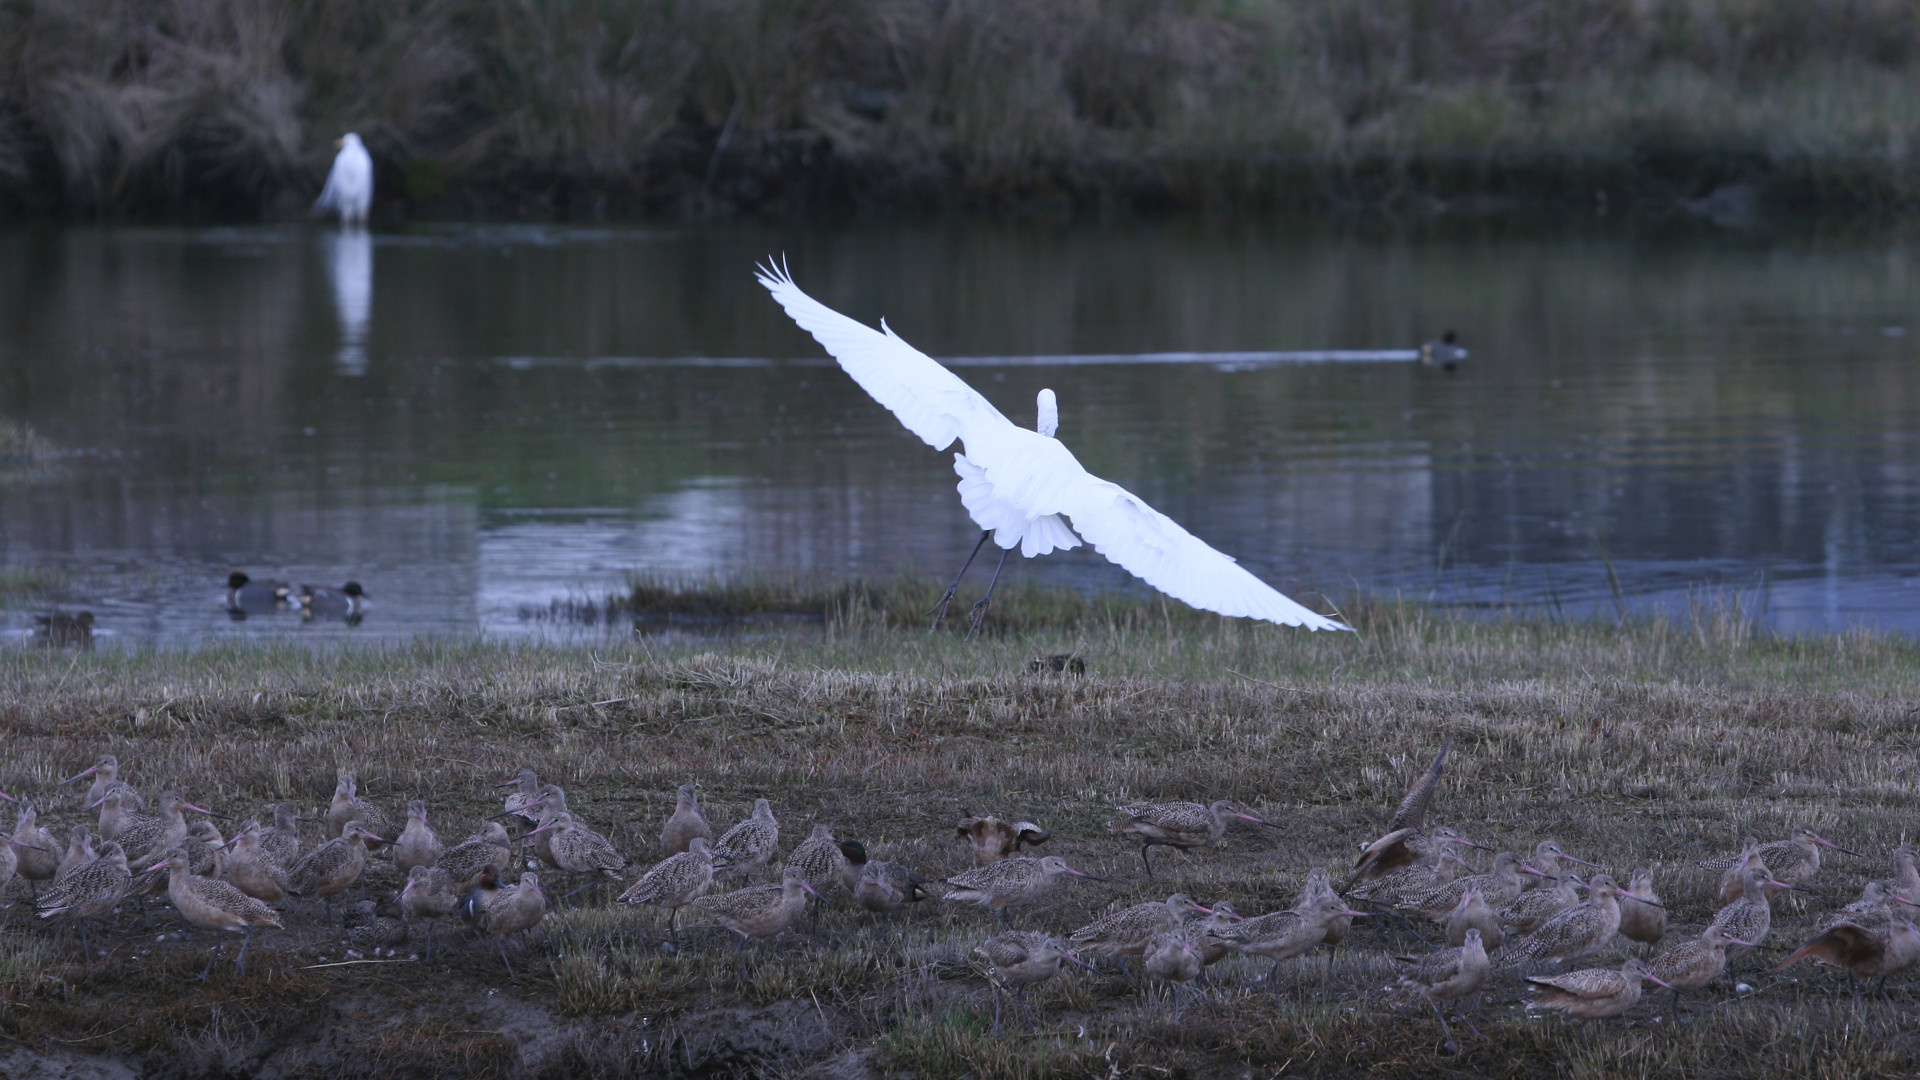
(1650,744)
(222,108)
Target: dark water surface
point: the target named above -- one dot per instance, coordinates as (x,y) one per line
(473,420)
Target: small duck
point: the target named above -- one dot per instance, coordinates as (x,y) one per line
(60,628)
(347,602)
(1445,354)
(245,594)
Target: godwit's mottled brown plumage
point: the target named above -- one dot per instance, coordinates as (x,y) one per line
(1878,909)
(1861,952)
(431,894)
(674,882)
(1643,915)
(686,824)
(1208,931)
(1433,870)
(489,847)
(513,909)
(1174,957)
(146,839)
(1448,974)
(417,844)
(90,891)
(1530,909)
(1543,870)
(1497,888)
(1180,825)
(1127,931)
(214,905)
(1592,994)
(1317,889)
(1018,959)
(1279,935)
(991,839)
(369,930)
(1796,860)
(333,867)
(347,805)
(79,852)
(1011,882)
(1400,850)
(1412,811)
(252,870)
(1906,878)
(521,801)
(281,840)
(1750,917)
(819,857)
(36,849)
(747,846)
(761,912)
(1472,915)
(577,849)
(1581,930)
(1691,965)
(1736,867)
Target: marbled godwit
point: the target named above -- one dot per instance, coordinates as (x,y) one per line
(489,847)
(80,852)
(1207,933)
(1592,994)
(1180,825)
(1643,915)
(1499,887)
(1412,811)
(761,912)
(1174,957)
(1400,850)
(115,809)
(1433,870)
(1318,889)
(213,905)
(1011,882)
(1906,878)
(146,839)
(347,805)
(1581,930)
(1126,932)
(333,867)
(1750,917)
(1861,952)
(1018,959)
(1736,868)
(431,894)
(417,844)
(281,840)
(552,805)
(686,824)
(1691,965)
(1544,867)
(37,850)
(368,929)
(748,845)
(105,771)
(252,870)
(1873,911)
(674,882)
(1472,916)
(521,802)
(992,839)
(820,858)
(1447,975)
(91,890)
(513,909)
(1530,909)
(884,887)
(577,849)
(1795,860)
(1280,935)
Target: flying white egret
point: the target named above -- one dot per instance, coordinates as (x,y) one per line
(1017,485)
(349,188)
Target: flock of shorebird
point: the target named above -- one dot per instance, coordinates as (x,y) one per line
(1514,914)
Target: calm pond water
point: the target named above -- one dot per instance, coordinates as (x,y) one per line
(474,420)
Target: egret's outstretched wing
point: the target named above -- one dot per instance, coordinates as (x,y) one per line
(930,400)
(1155,549)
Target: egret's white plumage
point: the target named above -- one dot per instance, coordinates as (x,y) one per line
(349,188)
(1021,484)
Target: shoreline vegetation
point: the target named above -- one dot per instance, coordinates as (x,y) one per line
(1651,742)
(227,109)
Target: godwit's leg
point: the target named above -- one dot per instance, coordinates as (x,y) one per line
(1176,1004)
(672,934)
(240,962)
(939,610)
(1148,863)
(591,882)
(430,923)
(85,952)
(996,1008)
(979,612)
(741,951)
(208,970)
(502,942)
(1446,1035)
(1675,1010)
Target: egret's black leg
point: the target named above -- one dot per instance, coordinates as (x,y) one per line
(980,605)
(939,610)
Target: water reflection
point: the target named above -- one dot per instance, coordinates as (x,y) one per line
(349,258)
(555,408)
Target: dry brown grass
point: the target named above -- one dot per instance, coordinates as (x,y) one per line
(1653,743)
(227,108)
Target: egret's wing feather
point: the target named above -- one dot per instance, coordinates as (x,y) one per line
(1155,549)
(930,400)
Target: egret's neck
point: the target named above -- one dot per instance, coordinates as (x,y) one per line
(1049,410)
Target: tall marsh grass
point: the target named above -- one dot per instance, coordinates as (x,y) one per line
(228,108)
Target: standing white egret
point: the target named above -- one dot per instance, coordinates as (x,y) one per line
(349,188)
(1018,484)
